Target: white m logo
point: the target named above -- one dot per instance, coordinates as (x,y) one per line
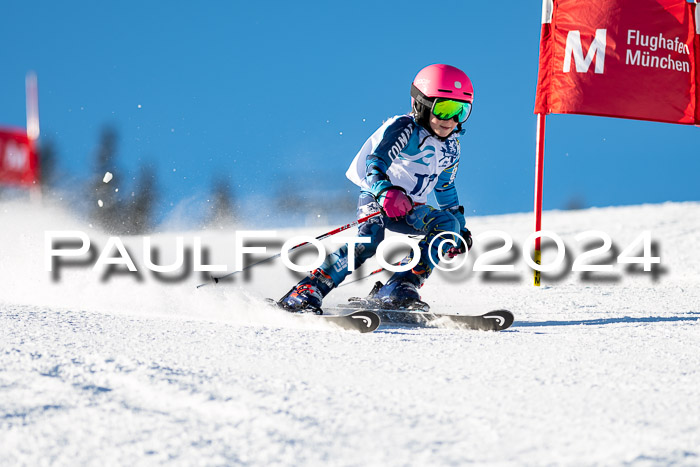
(597,49)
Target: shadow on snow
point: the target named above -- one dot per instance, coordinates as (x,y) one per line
(598,322)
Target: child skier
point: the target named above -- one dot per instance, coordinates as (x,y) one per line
(405,160)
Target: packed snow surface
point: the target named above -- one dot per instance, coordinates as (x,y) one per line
(119,368)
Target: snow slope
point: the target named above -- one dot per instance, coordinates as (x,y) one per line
(129,371)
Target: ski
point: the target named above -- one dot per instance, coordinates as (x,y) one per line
(362,321)
(496,320)
(350,320)
(366,316)
(413,312)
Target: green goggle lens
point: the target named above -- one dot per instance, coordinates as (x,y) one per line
(446,109)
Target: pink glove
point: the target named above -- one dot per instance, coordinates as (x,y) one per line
(396,203)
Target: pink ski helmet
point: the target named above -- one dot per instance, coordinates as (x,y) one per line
(439,82)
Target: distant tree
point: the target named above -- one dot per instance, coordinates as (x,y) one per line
(305,206)
(222,207)
(106,209)
(47,166)
(289,199)
(139,206)
(575,203)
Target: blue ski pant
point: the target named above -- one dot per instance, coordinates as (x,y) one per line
(424,220)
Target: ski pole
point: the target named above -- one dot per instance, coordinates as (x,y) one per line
(376,271)
(320,237)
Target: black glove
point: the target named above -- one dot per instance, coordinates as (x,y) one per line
(463,246)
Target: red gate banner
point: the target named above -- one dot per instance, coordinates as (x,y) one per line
(18,158)
(620,58)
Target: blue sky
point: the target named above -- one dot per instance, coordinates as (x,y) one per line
(285,93)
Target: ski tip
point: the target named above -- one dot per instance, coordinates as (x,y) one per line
(503,319)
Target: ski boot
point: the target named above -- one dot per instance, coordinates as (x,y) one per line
(307,295)
(400,293)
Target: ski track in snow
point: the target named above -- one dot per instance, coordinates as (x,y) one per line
(139,373)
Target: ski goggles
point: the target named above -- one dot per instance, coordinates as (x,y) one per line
(447,109)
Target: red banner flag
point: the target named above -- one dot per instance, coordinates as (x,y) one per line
(18,158)
(634,59)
